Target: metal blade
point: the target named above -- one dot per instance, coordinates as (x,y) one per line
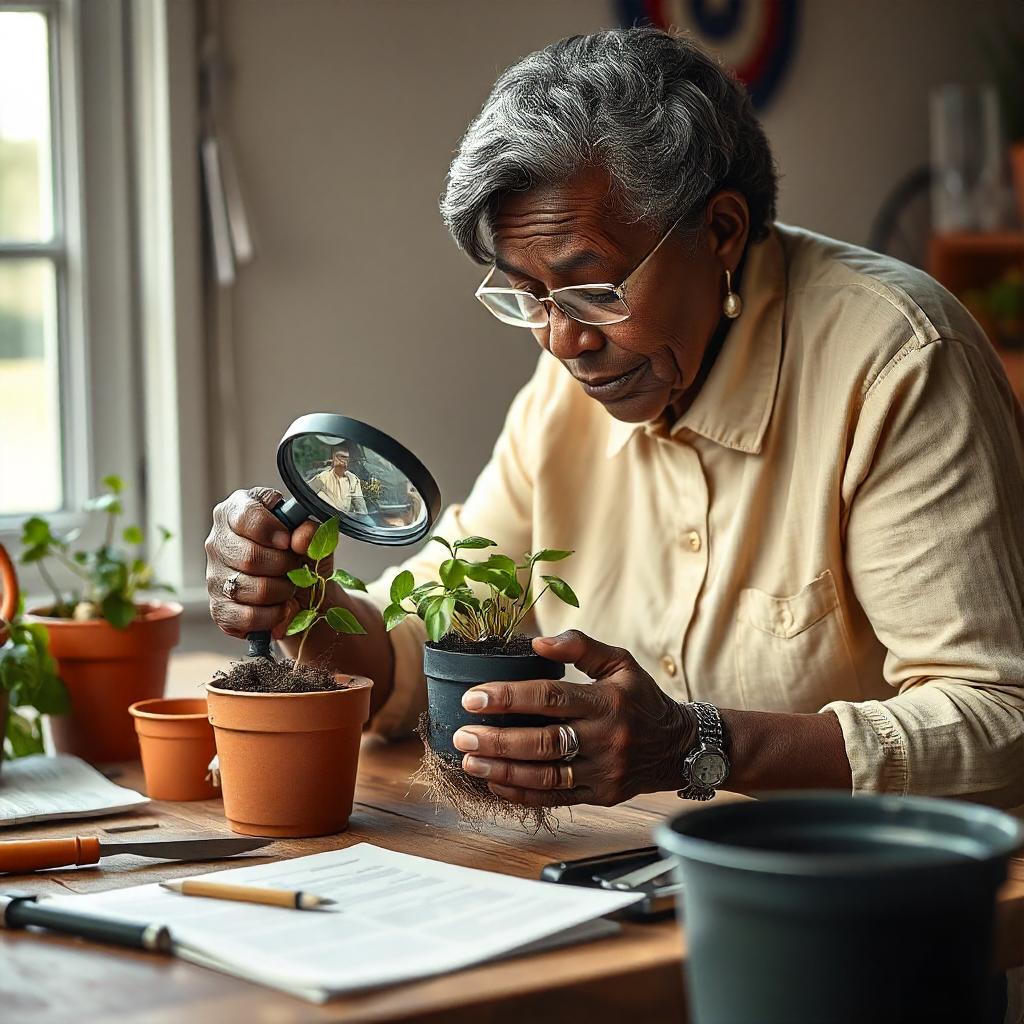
(186,849)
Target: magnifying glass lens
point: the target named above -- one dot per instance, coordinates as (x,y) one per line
(336,475)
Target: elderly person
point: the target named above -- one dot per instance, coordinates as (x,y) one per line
(792,469)
(338,485)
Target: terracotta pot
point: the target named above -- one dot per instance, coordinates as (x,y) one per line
(106,670)
(1017,168)
(9,587)
(288,760)
(8,606)
(177,745)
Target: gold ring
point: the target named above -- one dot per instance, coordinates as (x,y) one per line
(572,781)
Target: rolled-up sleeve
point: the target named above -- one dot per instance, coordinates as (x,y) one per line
(500,506)
(934,540)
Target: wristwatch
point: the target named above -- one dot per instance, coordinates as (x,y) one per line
(705,767)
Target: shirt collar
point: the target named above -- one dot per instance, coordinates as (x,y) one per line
(734,406)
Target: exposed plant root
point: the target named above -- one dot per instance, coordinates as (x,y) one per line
(447,785)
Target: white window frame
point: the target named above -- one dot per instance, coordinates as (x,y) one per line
(132,322)
(64,253)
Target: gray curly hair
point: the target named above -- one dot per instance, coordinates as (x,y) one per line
(666,121)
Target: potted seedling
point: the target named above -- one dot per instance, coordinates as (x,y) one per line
(288,732)
(29,684)
(112,647)
(474,636)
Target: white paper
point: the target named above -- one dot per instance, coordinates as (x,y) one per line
(41,788)
(397,917)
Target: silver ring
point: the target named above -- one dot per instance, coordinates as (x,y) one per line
(569,741)
(230,587)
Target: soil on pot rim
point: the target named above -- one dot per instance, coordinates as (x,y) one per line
(517,645)
(266,675)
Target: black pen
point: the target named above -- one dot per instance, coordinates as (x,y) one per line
(18,910)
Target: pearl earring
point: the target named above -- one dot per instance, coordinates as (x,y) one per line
(733,304)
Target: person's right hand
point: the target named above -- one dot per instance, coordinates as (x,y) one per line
(249,545)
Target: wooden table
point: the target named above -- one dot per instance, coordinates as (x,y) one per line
(632,977)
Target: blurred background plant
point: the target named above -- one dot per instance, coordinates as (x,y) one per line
(106,579)
(28,676)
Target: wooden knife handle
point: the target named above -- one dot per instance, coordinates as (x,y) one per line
(19,855)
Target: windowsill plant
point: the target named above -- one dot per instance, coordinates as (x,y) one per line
(112,647)
(288,732)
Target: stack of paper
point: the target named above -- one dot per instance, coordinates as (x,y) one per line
(396,918)
(40,788)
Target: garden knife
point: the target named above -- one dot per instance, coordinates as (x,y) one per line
(35,854)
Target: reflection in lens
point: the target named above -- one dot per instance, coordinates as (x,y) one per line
(357,482)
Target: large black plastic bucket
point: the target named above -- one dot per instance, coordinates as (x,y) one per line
(450,673)
(828,908)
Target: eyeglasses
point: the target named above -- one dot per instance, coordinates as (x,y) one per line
(594,304)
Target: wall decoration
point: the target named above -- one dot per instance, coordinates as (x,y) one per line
(754,37)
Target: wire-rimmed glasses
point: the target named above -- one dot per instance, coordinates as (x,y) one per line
(593,304)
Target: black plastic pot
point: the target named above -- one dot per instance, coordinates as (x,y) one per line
(450,673)
(829,908)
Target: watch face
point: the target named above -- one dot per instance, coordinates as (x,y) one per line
(709,769)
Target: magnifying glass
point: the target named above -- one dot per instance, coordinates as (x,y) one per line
(336,466)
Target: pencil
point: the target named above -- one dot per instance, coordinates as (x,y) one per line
(249,894)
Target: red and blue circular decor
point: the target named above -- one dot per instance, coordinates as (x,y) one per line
(754,37)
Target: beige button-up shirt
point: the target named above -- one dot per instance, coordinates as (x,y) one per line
(837,522)
(345,493)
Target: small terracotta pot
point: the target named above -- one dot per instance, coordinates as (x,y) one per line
(106,670)
(288,760)
(177,745)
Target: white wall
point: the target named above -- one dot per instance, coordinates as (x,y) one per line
(344,117)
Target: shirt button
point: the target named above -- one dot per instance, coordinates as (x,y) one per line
(692,538)
(785,619)
(669,665)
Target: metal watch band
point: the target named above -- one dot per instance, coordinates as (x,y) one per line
(709,735)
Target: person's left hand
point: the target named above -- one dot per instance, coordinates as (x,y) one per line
(632,736)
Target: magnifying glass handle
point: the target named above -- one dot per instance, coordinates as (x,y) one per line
(291,514)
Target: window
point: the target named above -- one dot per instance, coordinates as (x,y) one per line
(33,266)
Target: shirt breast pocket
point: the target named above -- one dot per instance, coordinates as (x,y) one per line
(791,652)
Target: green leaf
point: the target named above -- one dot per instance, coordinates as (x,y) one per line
(113,483)
(302,621)
(423,590)
(502,562)
(302,577)
(513,591)
(441,540)
(25,734)
(438,619)
(402,587)
(561,590)
(452,572)
(474,544)
(347,580)
(341,620)
(495,578)
(325,540)
(117,610)
(549,555)
(36,532)
(132,535)
(393,615)
(35,554)
(109,503)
